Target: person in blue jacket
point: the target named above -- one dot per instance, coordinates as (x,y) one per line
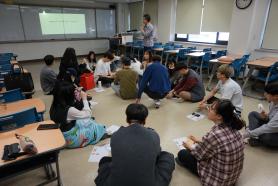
(155,82)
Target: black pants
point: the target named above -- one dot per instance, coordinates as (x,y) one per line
(255,121)
(154,95)
(188,161)
(105,80)
(165,166)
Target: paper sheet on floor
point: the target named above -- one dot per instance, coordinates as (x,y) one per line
(179,142)
(99,152)
(110,130)
(98,89)
(196,116)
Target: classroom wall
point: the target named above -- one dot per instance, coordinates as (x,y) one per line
(31,51)
(37,50)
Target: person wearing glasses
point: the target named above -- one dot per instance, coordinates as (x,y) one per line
(218,158)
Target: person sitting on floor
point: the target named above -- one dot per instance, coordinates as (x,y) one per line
(137,158)
(77,126)
(147,60)
(218,158)
(228,89)
(102,71)
(48,76)
(263,127)
(125,81)
(89,63)
(155,82)
(190,88)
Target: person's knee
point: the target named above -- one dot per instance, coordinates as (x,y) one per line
(185,95)
(253,114)
(182,154)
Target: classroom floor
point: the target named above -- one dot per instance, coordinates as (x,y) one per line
(260,165)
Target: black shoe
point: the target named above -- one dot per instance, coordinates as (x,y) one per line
(178,161)
(254,142)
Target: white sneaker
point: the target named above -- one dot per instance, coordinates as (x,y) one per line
(157,104)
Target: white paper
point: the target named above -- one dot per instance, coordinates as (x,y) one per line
(196,118)
(110,130)
(98,89)
(99,152)
(179,143)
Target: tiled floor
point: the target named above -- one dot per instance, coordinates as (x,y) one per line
(260,166)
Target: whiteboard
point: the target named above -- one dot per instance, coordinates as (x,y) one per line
(106,26)
(10,23)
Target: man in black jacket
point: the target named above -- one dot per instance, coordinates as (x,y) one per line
(137,158)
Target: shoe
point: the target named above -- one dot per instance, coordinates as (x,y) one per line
(254,142)
(178,161)
(157,104)
(180,100)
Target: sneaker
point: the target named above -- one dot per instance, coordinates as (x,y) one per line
(254,142)
(157,104)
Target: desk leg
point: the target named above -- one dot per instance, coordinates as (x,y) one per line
(201,70)
(251,70)
(58,171)
(213,71)
(166,61)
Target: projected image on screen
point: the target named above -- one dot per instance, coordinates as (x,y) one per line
(58,23)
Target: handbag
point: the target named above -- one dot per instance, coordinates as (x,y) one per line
(87,81)
(21,79)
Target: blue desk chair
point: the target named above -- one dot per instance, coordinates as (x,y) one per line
(139,47)
(206,49)
(238,65)
(181,56)
(19,119)
(191,48)
(220,53)
(4,69)
(269,75)
(203,64)
(166,48)
(128,48)
(11,96)
(178,46)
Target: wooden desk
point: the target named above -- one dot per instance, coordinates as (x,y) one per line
(48,142)
(22,105)
(261,63)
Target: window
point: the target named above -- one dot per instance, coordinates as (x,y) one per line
(223,36)
(180,37)
(203,37)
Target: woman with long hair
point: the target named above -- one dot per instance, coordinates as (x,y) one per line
(77,125)
(69,60)
(218,158)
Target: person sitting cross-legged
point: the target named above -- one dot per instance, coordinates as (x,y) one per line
(125,81)
(155,82)
(190,88)
(137,159)
(263,127)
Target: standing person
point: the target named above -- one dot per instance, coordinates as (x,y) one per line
(137,159)
(48,76)
(148,32)
(190,88)
(103,72)
(218,158)
(263,127)
(228,89)
(125,81)
(155,82)
(69,60)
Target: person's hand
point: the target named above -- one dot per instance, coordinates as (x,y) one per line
(142,28)
(264,115)
(137,101)
(188,144)
(202,105)
(170,95)
(83,95)
(246,134)
(194,139)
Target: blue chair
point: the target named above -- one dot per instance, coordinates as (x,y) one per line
(4,69)
(19,119)
(203,64)
(270,75)
(181,56)
(220,53)
(11,96)
(139,47)
(178,46)
(206,49)
(237,65)
(166,48)
(191,48)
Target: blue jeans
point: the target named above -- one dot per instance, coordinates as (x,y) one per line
(116,89)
